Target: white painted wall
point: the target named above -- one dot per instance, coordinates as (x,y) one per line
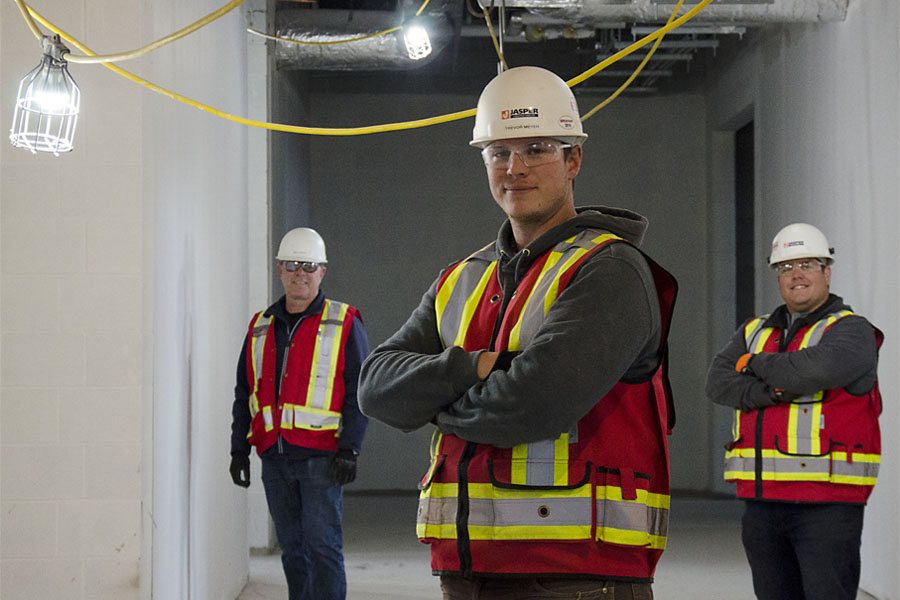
(825,102)
(195,193)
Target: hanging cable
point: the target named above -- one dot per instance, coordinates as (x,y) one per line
(490,26)
(122,56)
(637,71)
(637,45)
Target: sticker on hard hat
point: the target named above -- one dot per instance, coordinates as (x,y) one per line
(566,122)
(518,113)
(797,243)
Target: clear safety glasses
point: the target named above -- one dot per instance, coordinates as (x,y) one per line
(498,155)
(293,265)
(806,265)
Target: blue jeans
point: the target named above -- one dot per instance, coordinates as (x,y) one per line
(306,509)
(803,551)
(455,587)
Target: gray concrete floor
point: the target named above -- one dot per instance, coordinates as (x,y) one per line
(704,559)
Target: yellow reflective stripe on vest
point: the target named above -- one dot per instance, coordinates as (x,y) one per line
(545,514)
(756,339)
(546,286)
(643,521)
(857,468)
(257,343)
(305,417)
(317,412)
(541,463)
(459,317)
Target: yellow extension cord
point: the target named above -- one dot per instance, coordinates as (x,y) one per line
(346,131)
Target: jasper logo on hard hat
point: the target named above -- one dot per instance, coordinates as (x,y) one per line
(566,122)
(518,113)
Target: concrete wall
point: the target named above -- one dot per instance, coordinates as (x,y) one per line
(824,100)
(72,332)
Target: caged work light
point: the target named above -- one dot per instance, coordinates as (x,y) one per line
(415,35)
(47,104)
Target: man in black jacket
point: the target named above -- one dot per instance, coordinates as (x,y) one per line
(295,400)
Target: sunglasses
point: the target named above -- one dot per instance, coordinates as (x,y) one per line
(293,265)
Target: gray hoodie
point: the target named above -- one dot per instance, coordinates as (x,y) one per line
(604,327)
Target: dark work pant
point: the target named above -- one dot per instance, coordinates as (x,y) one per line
(803,551)
(455,587)
(306,509)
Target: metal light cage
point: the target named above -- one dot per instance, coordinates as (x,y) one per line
(415,36)
(47,104)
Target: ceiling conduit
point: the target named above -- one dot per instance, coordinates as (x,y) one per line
(594,12)
(322,28)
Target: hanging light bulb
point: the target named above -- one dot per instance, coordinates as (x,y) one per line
(47,104)
(415,35)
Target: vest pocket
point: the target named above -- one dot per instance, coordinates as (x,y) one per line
(502,510)
(628,513)
(436,515)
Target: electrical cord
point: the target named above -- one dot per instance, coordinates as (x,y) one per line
(490,26)
(634,75)
(107,58)
(345,131)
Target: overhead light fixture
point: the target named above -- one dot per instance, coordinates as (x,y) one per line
(415,35)
(47,103)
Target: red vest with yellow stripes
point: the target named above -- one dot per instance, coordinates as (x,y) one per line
(311,390)
(593,501)
(824,447)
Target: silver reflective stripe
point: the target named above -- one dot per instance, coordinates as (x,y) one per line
(798,468)
(436,511)
(310,420)
(540,463)
(531,512)
(533,313)
(329,330)
(632,516)
(451,319)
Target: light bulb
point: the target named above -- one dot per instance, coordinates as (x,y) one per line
(418,44)
(47,104)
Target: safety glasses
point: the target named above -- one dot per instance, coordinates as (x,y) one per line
(535,153)
(293,265)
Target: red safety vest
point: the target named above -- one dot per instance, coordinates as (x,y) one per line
(594,501)
(311,395)
(824,447)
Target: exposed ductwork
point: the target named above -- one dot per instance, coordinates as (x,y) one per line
(596,12)
(325,30)
(526,21)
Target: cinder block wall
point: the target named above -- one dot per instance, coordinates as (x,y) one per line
(71,270)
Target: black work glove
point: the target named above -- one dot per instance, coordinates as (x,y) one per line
(342,469)
(240,469)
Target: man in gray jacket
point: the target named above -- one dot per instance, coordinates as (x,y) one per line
(540,359)
(806,443)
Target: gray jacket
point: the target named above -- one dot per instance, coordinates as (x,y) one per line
(846,357)
(603,328)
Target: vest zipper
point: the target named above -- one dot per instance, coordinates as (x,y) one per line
(463,547)
(284,361)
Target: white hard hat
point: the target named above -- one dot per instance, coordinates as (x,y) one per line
(800,240)
(302,244)
(527,102)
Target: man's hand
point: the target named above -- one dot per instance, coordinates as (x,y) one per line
(486,362)
(240,469)
(342,469)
